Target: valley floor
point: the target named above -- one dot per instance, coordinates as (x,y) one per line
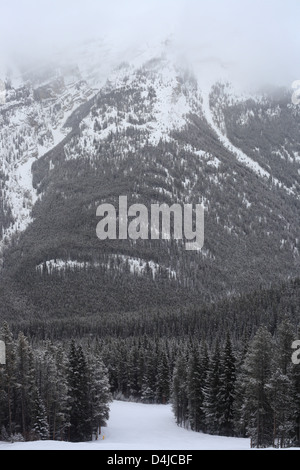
(136,426)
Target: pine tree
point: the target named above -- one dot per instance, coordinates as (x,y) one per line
(99,396)
(257,412)
(150,375)
(54,390)
(197,372)
(210,391)
(225,394)
(281,389)
(179,391)
(26,387)
(8,381)
(133,372)
(163,379)
(78,380)
(296,386)
(40,425)
(239,419)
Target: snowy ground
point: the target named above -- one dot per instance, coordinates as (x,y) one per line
(136,426)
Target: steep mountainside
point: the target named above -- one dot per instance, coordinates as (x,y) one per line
(153,134)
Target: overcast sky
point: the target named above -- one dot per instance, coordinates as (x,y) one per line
(258,38)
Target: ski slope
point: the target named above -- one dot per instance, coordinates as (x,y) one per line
(137,426)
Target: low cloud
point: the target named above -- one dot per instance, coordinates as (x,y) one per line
(255,40)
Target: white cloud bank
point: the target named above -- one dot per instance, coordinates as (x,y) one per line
(257,40)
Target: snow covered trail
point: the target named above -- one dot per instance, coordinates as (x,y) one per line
(137,426)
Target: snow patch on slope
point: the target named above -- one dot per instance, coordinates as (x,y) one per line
(161,108)
(136,266)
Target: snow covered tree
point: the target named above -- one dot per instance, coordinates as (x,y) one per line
(40,425)
(280,388)
(163,379)
(78,381)
(296,387)
(8,381)
(225,394)
(133,371)
(26,386)
(197,371)
(211,388)
(257,412)
(179,391)
(239,422)
(54,390)
(99,394)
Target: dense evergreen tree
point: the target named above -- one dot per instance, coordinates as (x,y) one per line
(40,425)
(47,393)
(281,391)
(163,379)
(26,388)
(211,406)
(179,390)
(99,394)
(256,407)
(8,378)
(226,390)
(197,371)
(78,381)
(243,383)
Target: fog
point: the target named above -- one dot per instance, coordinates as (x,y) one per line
(256,41)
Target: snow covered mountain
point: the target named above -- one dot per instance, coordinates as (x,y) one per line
(79,134)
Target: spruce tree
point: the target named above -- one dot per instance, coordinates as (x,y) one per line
(99,394)
(296,386)
(226,390)
(78,380)
(40,425)
(26,385)
(179,391)
(281,389)
(210,391)
(163,379)
(257,411)
(197,371)
(8,381)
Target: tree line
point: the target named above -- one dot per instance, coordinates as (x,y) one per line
(253,392)
(51,393)
(242,383)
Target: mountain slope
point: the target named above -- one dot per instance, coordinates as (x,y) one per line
(152,134)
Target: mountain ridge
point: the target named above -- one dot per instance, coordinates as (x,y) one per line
(151,133)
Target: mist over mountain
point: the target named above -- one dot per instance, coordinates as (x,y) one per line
(78,135)
(109,113)
(256,42)
(180,102)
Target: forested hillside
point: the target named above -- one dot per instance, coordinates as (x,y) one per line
(225,367)
(145,319)
(148,134)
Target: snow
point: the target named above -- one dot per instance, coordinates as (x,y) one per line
(238,153)
(137,426)
(241,156)
(136,265)
(21,194)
